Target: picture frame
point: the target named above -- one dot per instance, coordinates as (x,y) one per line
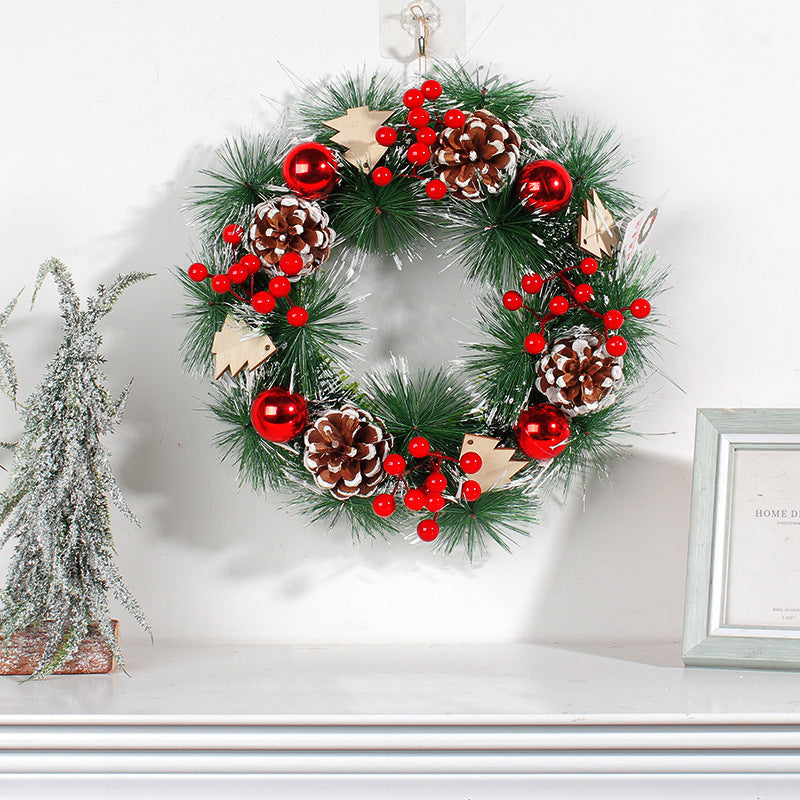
(743,578)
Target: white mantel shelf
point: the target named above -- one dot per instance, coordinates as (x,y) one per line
(526,712)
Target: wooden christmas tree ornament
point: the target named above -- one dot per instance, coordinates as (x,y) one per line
(235,348)
(357,130)
(498,467)
(597,232)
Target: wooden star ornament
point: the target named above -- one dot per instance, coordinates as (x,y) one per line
(499,466)
(235,348)
(356,131)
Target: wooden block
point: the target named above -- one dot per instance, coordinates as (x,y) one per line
(26,648)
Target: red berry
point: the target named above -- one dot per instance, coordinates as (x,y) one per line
(436,482)
(419,447)
(454,118)
(394,464)
(232,234)
(251,263)
(198,272)
(616,346)
(415,499)
(386,136)
(419,154)
(512,301)
(413,98)
(279,286)
(426,135)
(558,305)
(382,176)
(588,266)
(263,302)
(297,316)
(238,273)
(640,308)
(471,463)
(535,343)
(436,189)
(613,319)
(383,505)
(432,90)
(221,284)
(418,118)
(428,530)
(584,293)
(471,491)
(435,502)
(532,284)
(291,263)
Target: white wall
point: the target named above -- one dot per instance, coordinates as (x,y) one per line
(110,109)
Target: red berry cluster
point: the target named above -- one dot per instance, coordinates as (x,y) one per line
(424,127)
(246,267)
(430,496)
(578,295)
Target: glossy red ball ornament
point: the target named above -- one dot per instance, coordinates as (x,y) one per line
(436,482)
(428,530)
(431,89)
(512,301)
(542,431)
(613,319)
(415,499)
(436,189)
(382,176)
(558,305)
(413,98)
(470,462)
(238,273)
(419,447)
(640,308)
(279,286)
(532,284)
(232,234)
(454,118)
(394,464)
(251,263)
(291,264)
(386,136)
(588,266)
(544,186)
(278,415)
(584,293)
(297,316)
(383,505)
(471,491)
(310,170)
(198,272)
(616,346)
(426,135)
(221,284)
(535,343)
(418,118)
(419,154)
(263,302)
(435,502)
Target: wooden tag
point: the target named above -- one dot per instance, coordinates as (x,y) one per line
(357,130)
(498,465)
(235,347)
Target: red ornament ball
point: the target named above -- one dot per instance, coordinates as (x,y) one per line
(613,319)
(279,286)
(251,263)
(616,346)
(471,462)
(558,305)
(426,135)
(278,415)
(471,491)
(383,505)
(263,302)
(291,263)
(436,189)
(532,284)
(428,530)
(542,431)
(584,293)
(386,136)
(310,170)
(588,266)
(640,308)
(419,447)
(238,273)
(418,118)
(297,316)
(535,343)
(432,90)
(435,502)
(221,284)
(419,154)
(436,482)
(413,98)
(232,234)
(382,176)
(544,186)
(415,499)
(394,464)
(512,301)
(198,272)
(454,118)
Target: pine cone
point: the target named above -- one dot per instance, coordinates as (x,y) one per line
(579,375)
(476,157)
(290,224)
(345,451)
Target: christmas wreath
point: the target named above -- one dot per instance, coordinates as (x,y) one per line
(525,202)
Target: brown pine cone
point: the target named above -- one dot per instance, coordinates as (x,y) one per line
(290,224)
(476,157)
(345,451)
(579,375)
